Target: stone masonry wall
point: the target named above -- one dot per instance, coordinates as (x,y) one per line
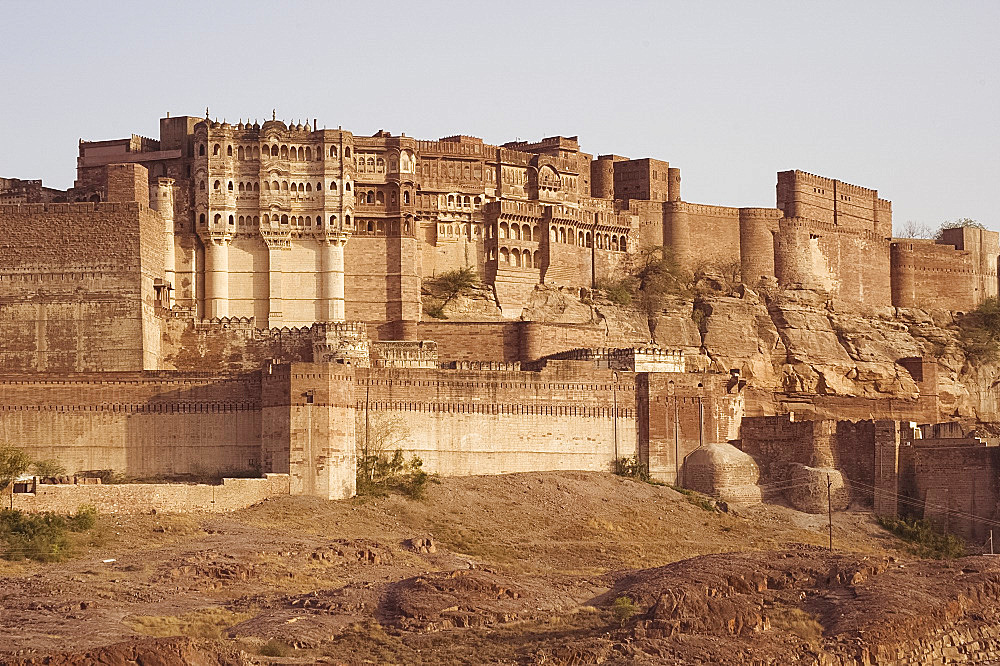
(139,424)
(230,495)
(76,286)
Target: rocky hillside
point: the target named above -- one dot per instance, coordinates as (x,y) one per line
(796,341)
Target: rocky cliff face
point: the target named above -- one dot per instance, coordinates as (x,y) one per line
(795,342)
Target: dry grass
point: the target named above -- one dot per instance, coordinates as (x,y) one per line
(796,621)
(202,623)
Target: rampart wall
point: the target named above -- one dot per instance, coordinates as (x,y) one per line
(131,498)
(930,275)
(140,424)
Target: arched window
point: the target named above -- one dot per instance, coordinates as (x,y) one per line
(274,150)
(333,151)
(284,185)
(201,149)
(535,263)
(267,219)
(256,152)
(614,243)
(371,227)
(217,185)
(380,197)
(347,187)
(554,234)
(217,218)
(515,258)
(275,186)
(406,197)
(562,234)
(309,187)
(284,219)
(319,187)
(371,164)
(588,240)
(515,231)
(371,197)
(216,148)
(256,186)
(406,227)
(284,152)
(347,220)
(333,220)
(201,219)
(302,154)
(230,186)
(256,220)
(504,256)
(526,232)
(347,151)
(201,186)
(503,230)
(239,153)
(229,151)
(242,187)
(231,220)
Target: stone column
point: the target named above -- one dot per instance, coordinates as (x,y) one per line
(217,277)
(332,276)
(275,313)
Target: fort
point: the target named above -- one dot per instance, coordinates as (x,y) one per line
(238,299)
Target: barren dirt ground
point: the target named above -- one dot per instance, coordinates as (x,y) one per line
(500,569)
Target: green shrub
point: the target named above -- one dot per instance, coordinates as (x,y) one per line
(41,536)
(632,468)
(623,609)
(924,538)
(13,463)
(980,331)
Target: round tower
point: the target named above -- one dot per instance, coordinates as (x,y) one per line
(757,231)
(162,200)
(602,177)
(673,184)
(677,232)
(792,254)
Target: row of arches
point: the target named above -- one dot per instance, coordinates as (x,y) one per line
(376,197)
(518,231)
(275,186)
(463,201)
(466,230)
(276,218)
(612,242)
(282,151)
(519,258)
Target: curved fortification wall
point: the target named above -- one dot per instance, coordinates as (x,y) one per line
(758,228)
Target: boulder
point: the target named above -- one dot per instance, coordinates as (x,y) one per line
(807,488)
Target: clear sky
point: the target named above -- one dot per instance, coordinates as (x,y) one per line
(901,96)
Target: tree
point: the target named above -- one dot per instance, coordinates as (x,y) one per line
(912,229)
(377,436)
(48,468)
(13,463)
(658,275)
(446,287)
(958,224)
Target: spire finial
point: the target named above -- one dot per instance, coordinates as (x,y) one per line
(206,113)
(273,115)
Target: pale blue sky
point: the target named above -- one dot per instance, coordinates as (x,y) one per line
(903,97)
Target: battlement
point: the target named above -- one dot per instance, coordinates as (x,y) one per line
(82,207)
(456,148)
(570,143)
(702,209)
(759,213)
(513,157)
(460,138)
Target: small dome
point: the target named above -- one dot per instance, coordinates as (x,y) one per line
(723,471)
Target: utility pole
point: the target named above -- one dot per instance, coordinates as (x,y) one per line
(829,508)
(614,394)
(677,447)
(991,542)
